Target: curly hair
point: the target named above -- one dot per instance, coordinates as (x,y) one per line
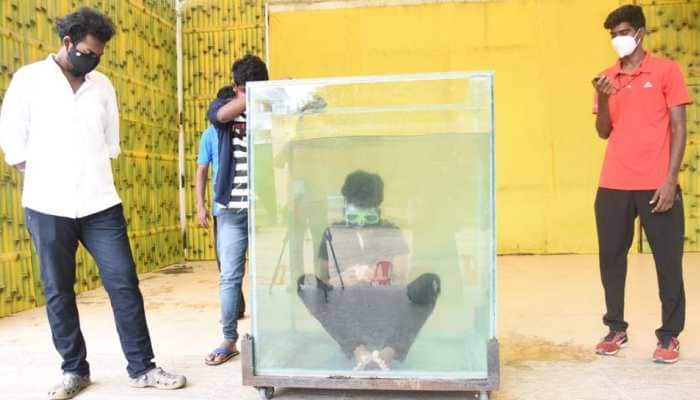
(363,189)
(84,22)
(631,14)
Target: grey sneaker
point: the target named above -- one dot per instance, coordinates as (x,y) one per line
(70,387)
(159,379)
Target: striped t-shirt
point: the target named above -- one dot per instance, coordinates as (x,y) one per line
(239,193)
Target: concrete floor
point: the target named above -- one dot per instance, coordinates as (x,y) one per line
(549,320)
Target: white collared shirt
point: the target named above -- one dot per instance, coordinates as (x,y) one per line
(65,138)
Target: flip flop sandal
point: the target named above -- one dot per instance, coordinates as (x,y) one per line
(221,355)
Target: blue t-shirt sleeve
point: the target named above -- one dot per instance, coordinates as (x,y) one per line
(214,109)
(206,148)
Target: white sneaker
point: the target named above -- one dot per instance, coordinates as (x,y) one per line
(70,387)
(159,379)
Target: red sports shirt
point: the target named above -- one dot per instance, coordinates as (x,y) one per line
(639,147)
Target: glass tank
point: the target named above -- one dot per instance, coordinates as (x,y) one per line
(372,226)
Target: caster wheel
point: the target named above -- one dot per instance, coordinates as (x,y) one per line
(484,396)
(266,393)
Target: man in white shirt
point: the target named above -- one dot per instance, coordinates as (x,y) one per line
(59,123)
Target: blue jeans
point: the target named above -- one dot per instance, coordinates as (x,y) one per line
(232,244)
(104,236)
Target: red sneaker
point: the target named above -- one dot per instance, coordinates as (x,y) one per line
(667,351)
(612,343)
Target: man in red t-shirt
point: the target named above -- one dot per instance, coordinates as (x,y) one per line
(640,106)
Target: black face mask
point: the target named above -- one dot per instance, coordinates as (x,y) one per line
(81,63)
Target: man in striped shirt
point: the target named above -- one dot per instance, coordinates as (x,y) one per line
(209,154)
(231,194)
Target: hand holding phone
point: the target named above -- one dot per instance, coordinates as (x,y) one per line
(603,85)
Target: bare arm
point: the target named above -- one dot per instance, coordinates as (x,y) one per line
(602,120)
(604,89)
(232,109)
(678,140)
(665,195)
(199,188)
